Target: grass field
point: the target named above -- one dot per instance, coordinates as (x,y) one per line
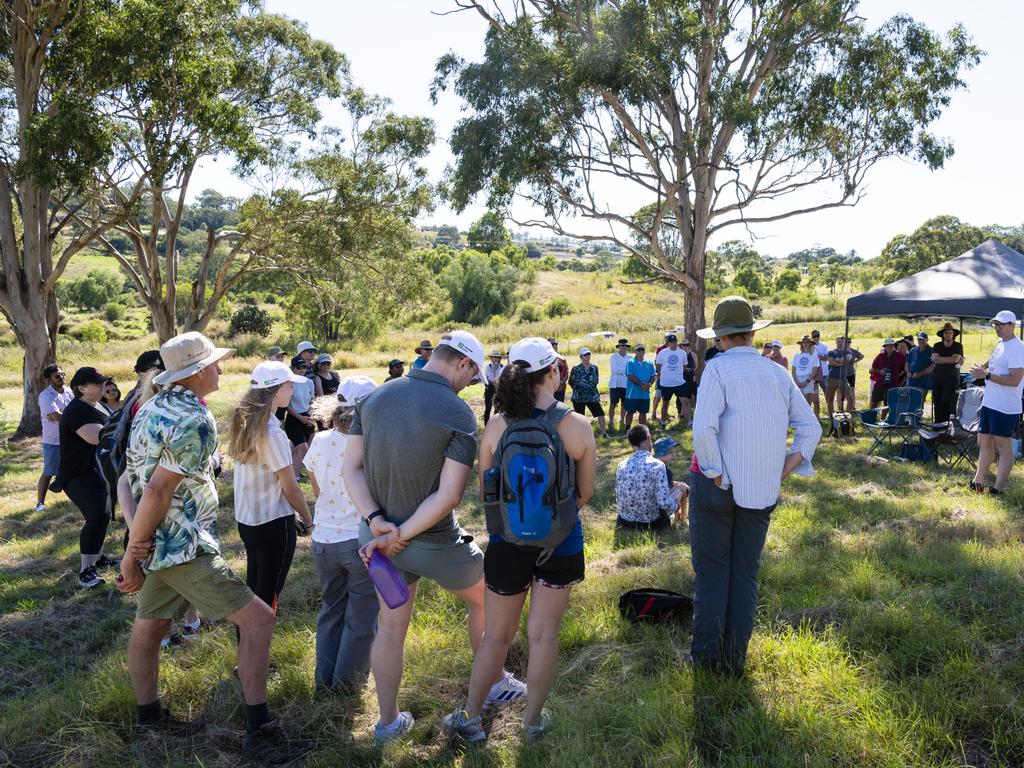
(890,628)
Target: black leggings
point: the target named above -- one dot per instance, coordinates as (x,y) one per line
(944,398)
(488,401)
(90,496)
(268,552)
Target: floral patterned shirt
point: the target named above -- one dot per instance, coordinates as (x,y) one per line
(584,384)
(641,488)
(175,431)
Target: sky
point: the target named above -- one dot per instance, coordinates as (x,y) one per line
(393,45)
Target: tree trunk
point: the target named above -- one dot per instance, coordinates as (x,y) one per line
(164,322)
(39,340)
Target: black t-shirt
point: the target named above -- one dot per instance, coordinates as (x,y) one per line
(946,371)
(78,457)
(329,385)
(710,353)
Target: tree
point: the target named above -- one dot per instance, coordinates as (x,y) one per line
(749,279)
(91,292)
(937,240)
(480,286)
(712,112)
(1010,236)
(488,233)
(447,235)
(787,280)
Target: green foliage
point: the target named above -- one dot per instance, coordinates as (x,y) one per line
(447,235)
(480,286)
(91,292)
(92,331)
(937,240)
(787,280)
(250,319)
(528,313)
(548,262)
(577,265)
(532,251)
(488,233)
(748,277)
(113,311)
(558,307)
(335,311)
(435,259)
(795,298)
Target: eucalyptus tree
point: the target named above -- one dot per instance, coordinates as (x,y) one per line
(718,113)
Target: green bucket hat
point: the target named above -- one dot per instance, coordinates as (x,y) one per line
(733,315)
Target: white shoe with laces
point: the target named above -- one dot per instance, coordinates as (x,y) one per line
(40,508)
(505,691)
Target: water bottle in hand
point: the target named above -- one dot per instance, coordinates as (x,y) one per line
(387,580)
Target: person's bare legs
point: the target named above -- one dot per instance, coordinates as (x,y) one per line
(255,624)
(642,418)
(547,605)
(144,657)
(502,623)
(1004,446)
(986,455)
(387,656)
(473,597)
(42,487)
(629,419)
(298,454)
(830,397)
(602,425)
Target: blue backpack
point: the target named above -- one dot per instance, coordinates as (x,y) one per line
(529,495)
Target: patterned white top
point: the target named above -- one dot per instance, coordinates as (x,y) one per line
(336,517)
(747,404)
(641,488)
(259,497)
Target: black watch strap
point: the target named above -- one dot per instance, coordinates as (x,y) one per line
(369,518)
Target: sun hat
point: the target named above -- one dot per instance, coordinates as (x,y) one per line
(186,354)
(806,338)
(584,351)
(1005,316)
(299,362)
(889,343)
(622,343)
(670,337)
(352,389)
(468,344)
(323,357)
(948,327)
(536,352)
(777,344)
(305,346)
(733,315)
(271,373)
(149,360)
(640,345)
(425,344)
(496,353)
(663,445)
(275,351)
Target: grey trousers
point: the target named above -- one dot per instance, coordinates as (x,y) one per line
(725,547)
(347,621)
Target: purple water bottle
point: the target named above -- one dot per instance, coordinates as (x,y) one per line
(387,580)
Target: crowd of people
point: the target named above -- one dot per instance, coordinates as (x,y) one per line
(388,466)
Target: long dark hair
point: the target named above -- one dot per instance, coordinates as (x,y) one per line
(515,394)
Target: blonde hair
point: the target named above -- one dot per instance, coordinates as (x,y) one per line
(329,410)
(247,430)
(147,386)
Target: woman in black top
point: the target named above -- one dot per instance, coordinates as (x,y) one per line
(946,355)
(325,381)
(80,426)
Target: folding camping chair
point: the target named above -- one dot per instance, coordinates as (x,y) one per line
(897,419)
(960,434)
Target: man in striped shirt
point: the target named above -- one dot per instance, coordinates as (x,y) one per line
(740,430)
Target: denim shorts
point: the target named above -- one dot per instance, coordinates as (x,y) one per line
(51,459)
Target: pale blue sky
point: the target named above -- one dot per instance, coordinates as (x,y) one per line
(392,46)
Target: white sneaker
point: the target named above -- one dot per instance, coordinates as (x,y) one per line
(382,733)
(505,691)
(40,508)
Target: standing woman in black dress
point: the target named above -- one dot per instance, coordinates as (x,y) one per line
(80,426)
(325,381)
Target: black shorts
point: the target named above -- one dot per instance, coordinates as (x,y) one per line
(660,524)
(637,405)
(595,408)
(298,432)
(615,394)
(510,569)
(681,391)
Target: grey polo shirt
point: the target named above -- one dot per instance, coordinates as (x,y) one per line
(409,426)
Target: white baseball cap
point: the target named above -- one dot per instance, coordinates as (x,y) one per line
(1006,316)
(468,344)
(271,373)
(305,346)
(584,351)
(535,351)
(777,344)
(354,388)
(186,354)
(889,343)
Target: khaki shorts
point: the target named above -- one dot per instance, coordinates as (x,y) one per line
(206,582)
(454,565)
(842,386)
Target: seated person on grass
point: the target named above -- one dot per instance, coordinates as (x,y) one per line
(665,452)
(642,492)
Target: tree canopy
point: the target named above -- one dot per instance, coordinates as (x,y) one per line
(937,240)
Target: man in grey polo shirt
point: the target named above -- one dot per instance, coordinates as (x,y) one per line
(410,451)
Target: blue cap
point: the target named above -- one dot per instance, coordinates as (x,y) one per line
(663,445)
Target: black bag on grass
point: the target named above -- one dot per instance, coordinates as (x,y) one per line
(655,606)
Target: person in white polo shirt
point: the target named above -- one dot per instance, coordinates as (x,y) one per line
(1001,404)
(267,497)
(52,402)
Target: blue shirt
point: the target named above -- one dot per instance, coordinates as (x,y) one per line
(418,363)
(302,396)
(918,359)
(645,372)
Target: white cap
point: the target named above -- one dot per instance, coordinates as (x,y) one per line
(354,388)
(271,373)
(186,354)
(584,351)
(305,346)
(888,343)
(1006,316)
(468,344)
(535,351)
(777,344)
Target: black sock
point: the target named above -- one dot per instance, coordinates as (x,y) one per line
(256,715)
(149,713)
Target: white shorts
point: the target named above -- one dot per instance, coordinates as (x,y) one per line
(810,387)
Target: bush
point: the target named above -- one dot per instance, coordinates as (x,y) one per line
(93,331)
(529,314)
(795,298)
(90,292)
(548,262)
(113,311)
(250,319)
(558,307)
(480,287)
(249,345)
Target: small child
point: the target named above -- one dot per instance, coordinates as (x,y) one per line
(665,452)
(347,622)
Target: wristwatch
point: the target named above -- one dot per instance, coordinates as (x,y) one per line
(369,518)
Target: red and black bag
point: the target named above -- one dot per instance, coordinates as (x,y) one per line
(655,606)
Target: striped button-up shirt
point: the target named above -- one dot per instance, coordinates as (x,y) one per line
(746,406)
(259,497)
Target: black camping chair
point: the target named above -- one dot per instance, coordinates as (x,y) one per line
(955,440)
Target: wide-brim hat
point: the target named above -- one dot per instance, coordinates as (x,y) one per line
(496,353)
(424,345)
(733,315)
(187,354)
(622,343)
(948,327)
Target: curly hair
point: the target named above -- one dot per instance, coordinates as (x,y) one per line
(329,410)
(516,390)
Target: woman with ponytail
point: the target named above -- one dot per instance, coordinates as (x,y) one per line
(526,390)
(267,496)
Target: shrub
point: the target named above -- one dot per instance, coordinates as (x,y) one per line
(93,331)
(558,307)
(249,345)
(548,262)
(113,311)
(529,314)
(90,292)
(250,319)
(480,287)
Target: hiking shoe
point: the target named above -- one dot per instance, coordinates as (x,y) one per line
(505,691)
(976,487)
(107,562)
(40,508)
(460,725)
(268,744)
(382,734)
(191,632)
(534,733)
(168,725)
(88,578)
(994,491)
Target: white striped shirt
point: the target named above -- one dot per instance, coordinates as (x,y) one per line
(259,497)
(746,406)
(617,368)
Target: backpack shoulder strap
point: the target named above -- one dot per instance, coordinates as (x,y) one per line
(555,413)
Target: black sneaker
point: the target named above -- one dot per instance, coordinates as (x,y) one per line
(268,744)
(107,562)
(995,491)
(88,578)
(171,726)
